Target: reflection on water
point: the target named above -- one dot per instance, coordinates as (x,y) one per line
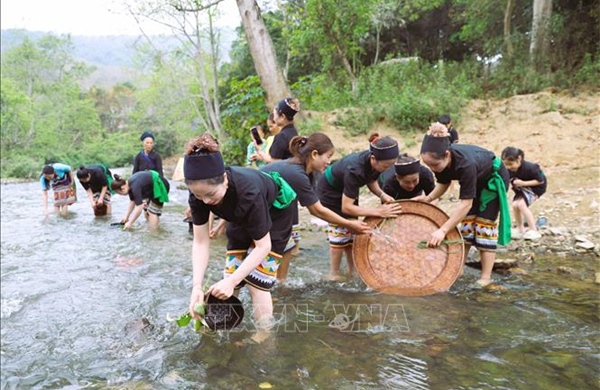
(84,305)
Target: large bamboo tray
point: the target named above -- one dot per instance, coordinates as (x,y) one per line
(392,259)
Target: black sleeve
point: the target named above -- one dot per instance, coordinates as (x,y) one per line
(427,181)
(281,147)
(102,180)
(352,184)
(159,167)
(200,211)
(135,194)
(390,187)
(136,164)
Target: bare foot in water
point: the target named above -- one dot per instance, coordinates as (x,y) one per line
(484,282)
(260,336)
(334,278)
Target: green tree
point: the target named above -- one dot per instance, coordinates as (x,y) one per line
(15,117)
(339,27)
(42,79)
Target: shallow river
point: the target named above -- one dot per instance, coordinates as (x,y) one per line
(84,305)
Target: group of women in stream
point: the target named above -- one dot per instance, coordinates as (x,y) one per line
(260,204)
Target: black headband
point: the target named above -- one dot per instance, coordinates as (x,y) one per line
(384,153)
(437,145)
(285,109)
(203,166)
(145,135)
(403,169)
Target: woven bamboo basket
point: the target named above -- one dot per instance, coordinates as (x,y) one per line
(392,259)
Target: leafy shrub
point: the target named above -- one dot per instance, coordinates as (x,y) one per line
(20,167)
(243,108)
(588,73)
(310,126)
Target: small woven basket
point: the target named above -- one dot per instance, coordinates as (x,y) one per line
(100,210)
(223,314)
(393,260)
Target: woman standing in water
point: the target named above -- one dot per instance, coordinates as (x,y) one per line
(59,177)
(257,209)
(311,155)
(96,180)
(147,191)
(147,159)
(483,183)
(339,189)
(283,117)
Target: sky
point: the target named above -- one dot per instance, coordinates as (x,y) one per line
(87,17)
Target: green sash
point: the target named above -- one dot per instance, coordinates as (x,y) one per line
(329,177)
(497,189)
(109,178)
(159,190)
(286,193)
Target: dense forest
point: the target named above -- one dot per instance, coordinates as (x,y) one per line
(400,61)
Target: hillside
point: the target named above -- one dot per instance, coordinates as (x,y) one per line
(111,55)
(558,131)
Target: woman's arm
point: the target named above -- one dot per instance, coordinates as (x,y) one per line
(130,208)
(216,231)
(378,192)
(200,256)
(45,200)
(526,183)
(132,216)
(388,210)
(320,211)
(266,157)
(439,190)
(102,193)
(90,195)
(224,288)
(457,215)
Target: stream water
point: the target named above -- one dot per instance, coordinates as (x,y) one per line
(84,305)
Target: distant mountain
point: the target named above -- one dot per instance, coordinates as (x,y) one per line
(112,55)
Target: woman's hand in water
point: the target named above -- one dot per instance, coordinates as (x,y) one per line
(196,298)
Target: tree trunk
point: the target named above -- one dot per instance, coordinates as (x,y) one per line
(377,43)
(540,32)
(510,6)
(263,53)
(347,65)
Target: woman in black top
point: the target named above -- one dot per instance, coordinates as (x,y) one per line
(311,157)
(407,179)
(147,192)
(283,116)
(96,180)
(528,182)
(147,159)
(453,135)
(339,188)
(257,209)
(483,181)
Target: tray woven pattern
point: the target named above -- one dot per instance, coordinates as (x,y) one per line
(390,259)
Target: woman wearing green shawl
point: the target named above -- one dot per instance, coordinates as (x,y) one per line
(147,191)
(483,183)
(96,180)
(258,208)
